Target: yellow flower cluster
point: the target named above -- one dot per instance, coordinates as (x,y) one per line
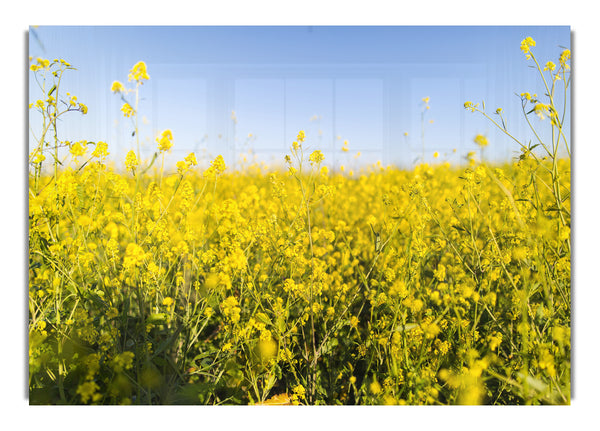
(131,161)
(117,87)
(217,167)
(138,72)
(41,63)
(526,45)
(186,164)
(316,157)
(481,141)
(127,110)
(165,140)
(230,309)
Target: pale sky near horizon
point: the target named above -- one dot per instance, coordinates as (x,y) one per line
(363,84)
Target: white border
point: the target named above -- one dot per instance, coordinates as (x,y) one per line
(578,14)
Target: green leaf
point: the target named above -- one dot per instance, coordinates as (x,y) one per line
(407,327)
(157,318)
(263,318)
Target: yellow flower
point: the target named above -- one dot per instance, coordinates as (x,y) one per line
(481,140)
(440,272)
(182,167)
(72,100)
(39,158)
(564,56)
(217,167)
(316,157)
(526,45)
(219,164)
(78,149)
(41,64)
(134,256)
(299,393)
(230,309)
(267,347)
(541,110)
(122,361)
(138,72)
(127,110)
(131,161)
(117,87)
(375,387)
(494,339)
(101,150)
(165,141)
(471,106)
(84,220)
(190,159)
(88,392)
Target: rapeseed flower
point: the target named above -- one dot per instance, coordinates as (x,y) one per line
(134,256)
(481,141)
(131,161)
(165,140)
(299,394)
(526,45)
(316,157)
(88,391)
(127,110)
(564,57)
(217,167)
(541,110)
(138,72)
(117,87)
(101,150)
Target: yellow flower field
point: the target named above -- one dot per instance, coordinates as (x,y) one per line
(437,285)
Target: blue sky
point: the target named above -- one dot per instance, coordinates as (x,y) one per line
(364,84)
